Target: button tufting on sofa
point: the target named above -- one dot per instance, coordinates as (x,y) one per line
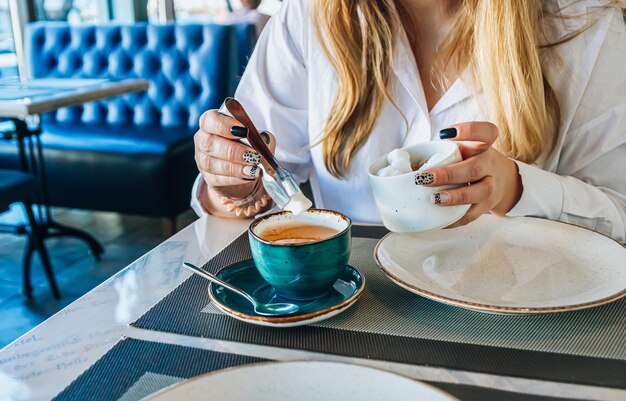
(133,153)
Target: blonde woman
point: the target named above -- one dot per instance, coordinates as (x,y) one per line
(534,92)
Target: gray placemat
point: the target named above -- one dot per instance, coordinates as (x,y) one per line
(388,310)
(147,384)
(393,324)
(134,369)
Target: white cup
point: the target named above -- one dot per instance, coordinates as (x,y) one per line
(407,207)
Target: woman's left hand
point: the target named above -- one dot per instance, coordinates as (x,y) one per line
(495,184)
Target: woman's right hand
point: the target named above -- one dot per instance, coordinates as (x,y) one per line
(229,168)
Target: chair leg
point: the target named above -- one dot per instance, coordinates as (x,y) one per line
(37,239)
(26,259)
(64,231)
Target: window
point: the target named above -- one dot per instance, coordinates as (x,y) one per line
(199,10)
(213,10)
(8,62)
(6,36)
(73,11)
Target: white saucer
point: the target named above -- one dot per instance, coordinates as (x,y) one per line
(302,381)
(508,265)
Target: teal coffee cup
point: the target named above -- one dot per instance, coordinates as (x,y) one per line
(301,256)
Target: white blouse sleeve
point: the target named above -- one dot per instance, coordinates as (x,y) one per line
(274,87)
(588,186)
(273,90)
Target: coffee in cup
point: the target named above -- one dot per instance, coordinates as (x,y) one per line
(296,233)
(301,256)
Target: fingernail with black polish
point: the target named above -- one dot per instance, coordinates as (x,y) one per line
(241,132)
(252,171)
(447,133)
(424,179)
(440,198)
(251,157)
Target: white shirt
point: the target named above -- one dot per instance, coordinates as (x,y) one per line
(289,85)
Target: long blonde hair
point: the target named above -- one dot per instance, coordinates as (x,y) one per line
(499,41)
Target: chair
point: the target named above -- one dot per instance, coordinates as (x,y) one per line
(18,186)
(134,153)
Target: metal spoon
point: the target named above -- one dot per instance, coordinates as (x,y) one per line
(275,309)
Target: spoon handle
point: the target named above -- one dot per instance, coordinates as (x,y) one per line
(217,280)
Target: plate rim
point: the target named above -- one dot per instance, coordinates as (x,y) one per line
(275,320)
(299,361)
(509,310)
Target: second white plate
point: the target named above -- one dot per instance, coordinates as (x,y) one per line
(302,381)
(511,265)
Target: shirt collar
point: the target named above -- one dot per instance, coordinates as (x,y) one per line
(407,73)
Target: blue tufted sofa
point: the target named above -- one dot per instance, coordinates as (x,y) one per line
(134,153)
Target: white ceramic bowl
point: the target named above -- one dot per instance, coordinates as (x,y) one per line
(406,207)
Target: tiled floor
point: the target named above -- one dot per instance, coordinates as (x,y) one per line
(125,238)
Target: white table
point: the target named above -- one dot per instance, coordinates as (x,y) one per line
(20,99)
(41,363)
(23,100)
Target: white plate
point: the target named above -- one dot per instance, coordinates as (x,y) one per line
(302,381)
(508,265)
